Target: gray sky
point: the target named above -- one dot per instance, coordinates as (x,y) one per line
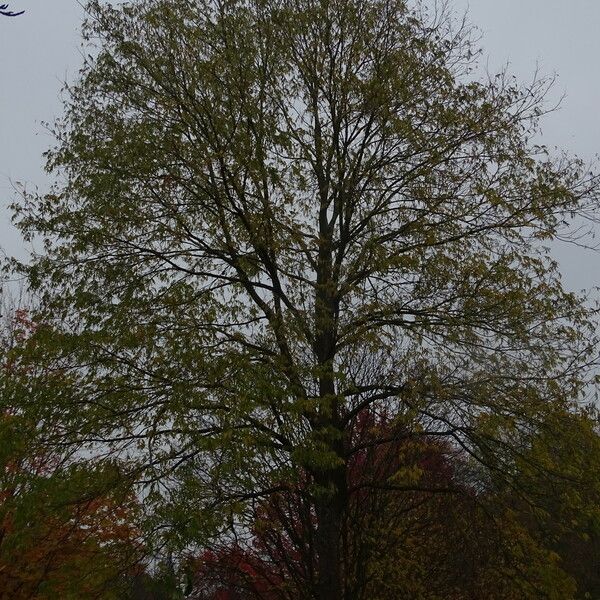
(41,49)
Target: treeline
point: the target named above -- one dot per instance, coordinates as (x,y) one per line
(424,519)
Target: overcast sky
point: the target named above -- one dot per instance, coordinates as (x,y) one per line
(41,49)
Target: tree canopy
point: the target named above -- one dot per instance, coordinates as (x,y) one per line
(275,221)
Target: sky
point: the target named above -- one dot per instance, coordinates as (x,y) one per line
(41,50)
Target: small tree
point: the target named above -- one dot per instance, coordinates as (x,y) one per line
(274,215)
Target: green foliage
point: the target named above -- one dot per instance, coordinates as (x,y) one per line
(271,216)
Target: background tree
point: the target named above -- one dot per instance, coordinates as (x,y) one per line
(454,536)
(559,471)
(273,216)
(65,532)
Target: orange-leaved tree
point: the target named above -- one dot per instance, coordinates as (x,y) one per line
(65,532)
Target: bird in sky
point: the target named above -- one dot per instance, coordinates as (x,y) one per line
(9,13)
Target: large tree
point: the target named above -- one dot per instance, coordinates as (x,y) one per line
(273,217)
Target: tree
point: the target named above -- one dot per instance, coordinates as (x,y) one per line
(560,472)
(275,215)
(55,544)
(451,537)
(64,531)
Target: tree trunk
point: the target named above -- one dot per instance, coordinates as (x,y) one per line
(331,497)
(330,503)
(328,536)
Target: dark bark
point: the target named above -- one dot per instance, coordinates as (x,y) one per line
(329,511)
(331,499)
